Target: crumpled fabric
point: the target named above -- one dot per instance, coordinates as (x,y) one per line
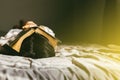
(91,62)
(10,36)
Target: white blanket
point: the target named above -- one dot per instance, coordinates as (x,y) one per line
(86,62)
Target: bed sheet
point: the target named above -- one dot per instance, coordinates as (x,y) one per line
(72,62)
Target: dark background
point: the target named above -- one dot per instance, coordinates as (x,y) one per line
(73,21)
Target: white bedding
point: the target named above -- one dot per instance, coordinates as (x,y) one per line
(85,62)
